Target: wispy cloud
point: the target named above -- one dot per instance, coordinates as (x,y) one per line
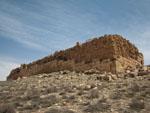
(51,25)
(18,31)
(6,65)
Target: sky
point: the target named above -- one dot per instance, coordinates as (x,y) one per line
(32,29)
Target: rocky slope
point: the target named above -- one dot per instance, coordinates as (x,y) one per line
(110,53)
(72,92)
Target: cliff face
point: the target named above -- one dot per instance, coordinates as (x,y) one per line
(110,53)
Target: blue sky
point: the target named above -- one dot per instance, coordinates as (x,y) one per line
(31,29)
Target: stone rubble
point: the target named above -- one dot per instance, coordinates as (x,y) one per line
(108,53)
(74,92)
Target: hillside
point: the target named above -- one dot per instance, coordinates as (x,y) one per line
(108,53)
(71,92)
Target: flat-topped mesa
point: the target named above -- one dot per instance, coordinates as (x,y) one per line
(109,53)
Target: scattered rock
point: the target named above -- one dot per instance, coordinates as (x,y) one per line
(91,71)
(59,110)
(82,93)
(108,53)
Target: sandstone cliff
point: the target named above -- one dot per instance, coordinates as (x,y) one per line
(110,53)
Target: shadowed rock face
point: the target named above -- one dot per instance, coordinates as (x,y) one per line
(110,53)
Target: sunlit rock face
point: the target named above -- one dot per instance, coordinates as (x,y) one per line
(108,53)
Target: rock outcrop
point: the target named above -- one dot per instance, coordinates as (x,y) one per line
(109,53)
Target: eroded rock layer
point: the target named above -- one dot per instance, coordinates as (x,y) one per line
(110,53)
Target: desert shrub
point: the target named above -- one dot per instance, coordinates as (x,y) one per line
(102,86)
(125,110)
(116,95)
(133,89)
(68,89)
(81,92)
(6,108)
(145,89)
(62,93)
(52,89)
(69,98)
(137,104)
(100,106)
(94,93)
(60,110)
(31,94)
(49,101)
(145,92)
(130,94)
(28,107)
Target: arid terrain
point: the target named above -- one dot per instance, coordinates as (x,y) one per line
(72,92)
(103,75)
(74,56)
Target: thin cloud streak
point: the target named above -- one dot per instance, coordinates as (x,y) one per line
(11,28)
(50,25)
(6,65)
(54,32)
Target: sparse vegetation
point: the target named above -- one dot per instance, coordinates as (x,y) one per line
(6,108)
(94,93)
(51,89)
(137,104)
(100,106)
(77,93)
(48,100)
(117,95)
(59,110)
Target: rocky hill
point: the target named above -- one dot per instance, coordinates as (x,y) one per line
(109,53)
(71,92)
(102,75)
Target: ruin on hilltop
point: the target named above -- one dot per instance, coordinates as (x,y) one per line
(109,53)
